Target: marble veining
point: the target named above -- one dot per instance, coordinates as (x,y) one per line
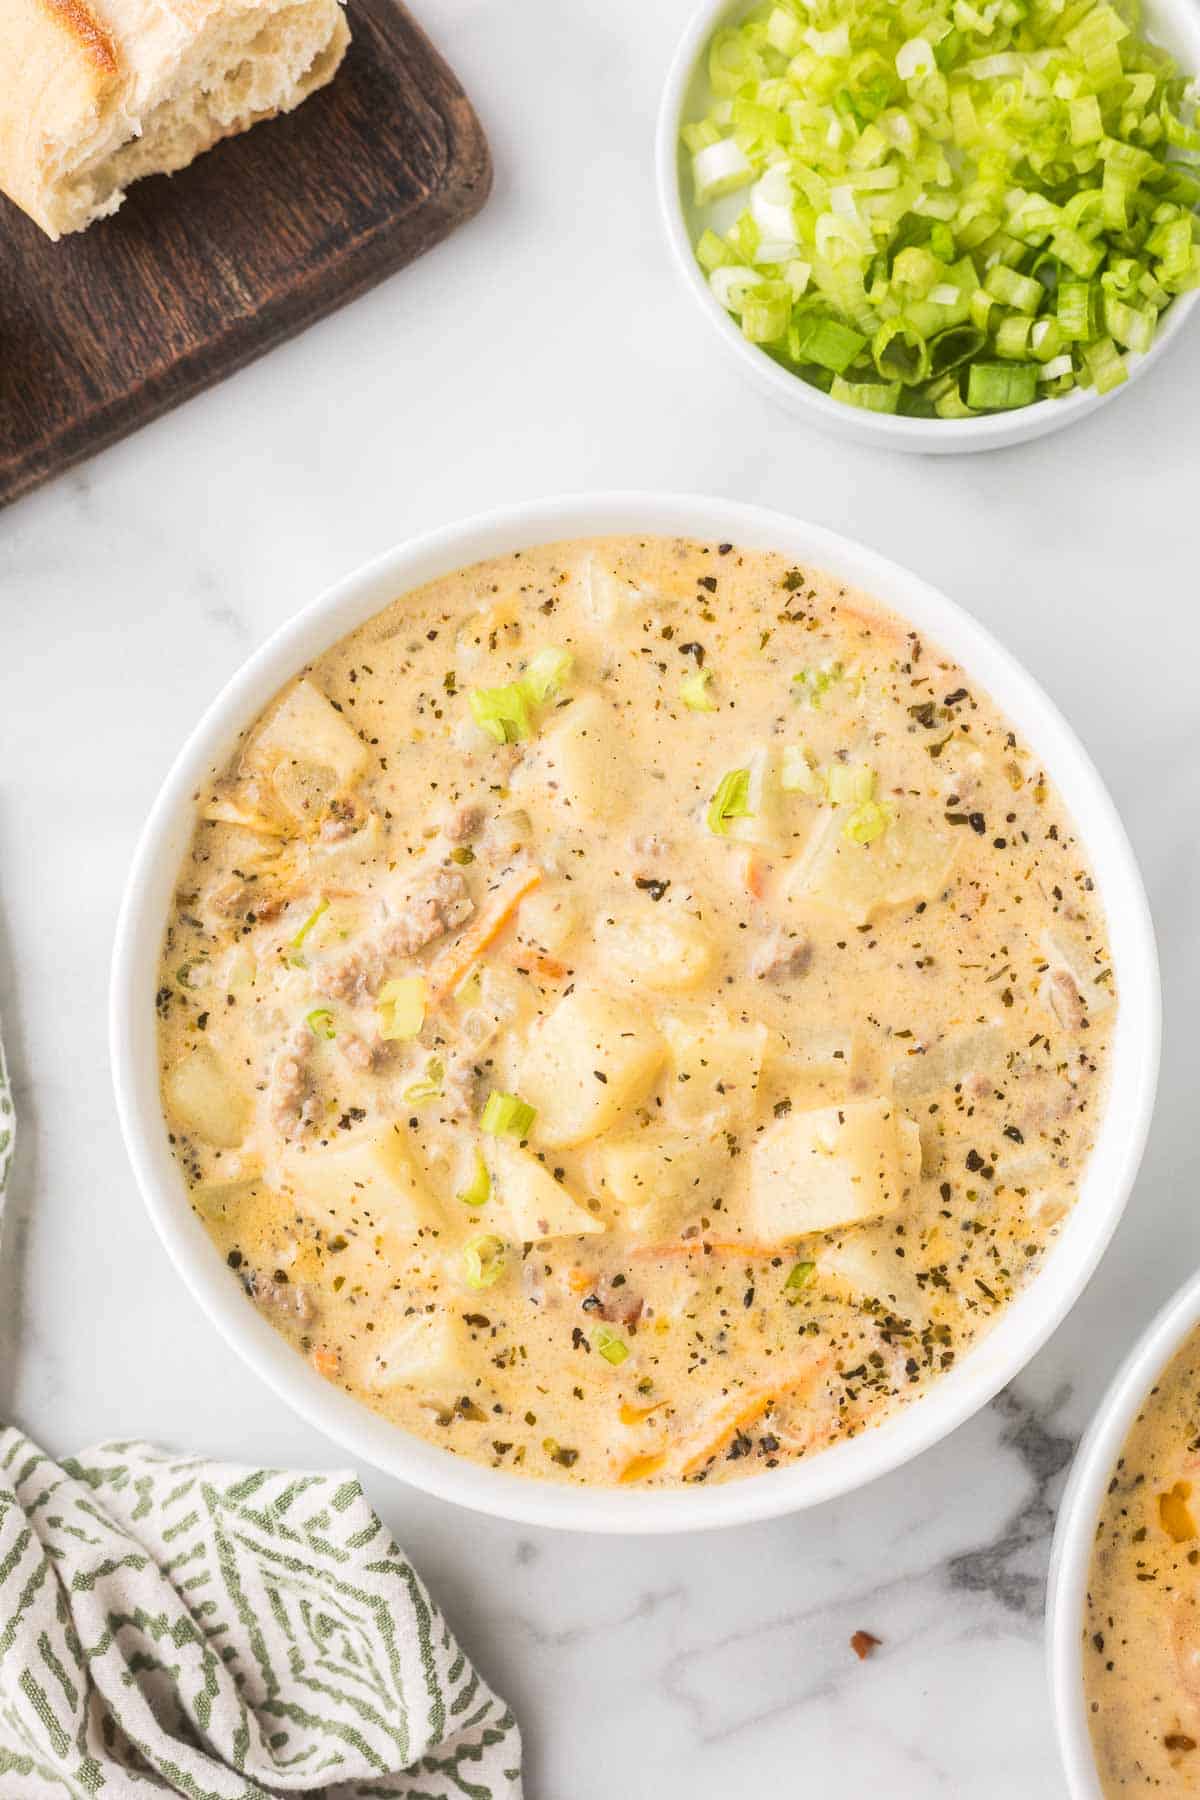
(548,347)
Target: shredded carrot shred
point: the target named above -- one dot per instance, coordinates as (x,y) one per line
(488,923)
(326,1362)
(705,1247)
(633,1415)
(535,963)
(740,1413)
(754,875)
(580,1280)
(638,1467)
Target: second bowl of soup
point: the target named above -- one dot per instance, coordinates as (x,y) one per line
(1123,1632)
(641,1000)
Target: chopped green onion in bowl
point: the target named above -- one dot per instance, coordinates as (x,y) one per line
(943,210)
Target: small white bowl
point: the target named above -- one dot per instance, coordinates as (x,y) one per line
(1075,1533)
(1024,1326)
(1175,23)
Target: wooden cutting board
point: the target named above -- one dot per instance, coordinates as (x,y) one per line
(202,271)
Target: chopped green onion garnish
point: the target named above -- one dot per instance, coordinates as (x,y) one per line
(849,783)
(400,1007)
(479,1187)
(866,823)
(800,774)
(982,168)
(693,691)
(799,1276)
(320,1022)
(483,1260)
(545,675)
(503,712)
(322,906)
(730,801)
(612,1348)
(429,1087)
(506,713)
(811,684)
(507,1115)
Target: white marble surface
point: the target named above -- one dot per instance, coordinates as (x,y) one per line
(546,347)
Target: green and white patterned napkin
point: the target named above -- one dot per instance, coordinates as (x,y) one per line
(175,1626)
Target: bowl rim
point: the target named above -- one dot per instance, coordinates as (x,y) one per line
(934,437)
(1075,1531)
(1026,1322)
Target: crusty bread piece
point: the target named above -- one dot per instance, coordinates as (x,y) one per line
(95,93)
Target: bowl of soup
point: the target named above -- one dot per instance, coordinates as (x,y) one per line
(634,1013)
(1123,1627)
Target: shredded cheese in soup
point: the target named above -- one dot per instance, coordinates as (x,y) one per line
(633,1012)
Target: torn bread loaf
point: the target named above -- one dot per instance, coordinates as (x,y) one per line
(95,93)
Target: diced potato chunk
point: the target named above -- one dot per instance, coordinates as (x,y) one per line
(764,822)
(609,598)
(910,861)
(908,1149)
(866,1267)
(713,1065)
(581,762)
(947,1062)
(371,1177)
(669,952)
(592,1057)
(656,1180)
(815,1171)
(427,1351)
(538,1207)
(547,919)
(307,752)
(202,1097)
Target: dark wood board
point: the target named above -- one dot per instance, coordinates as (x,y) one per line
(200,272)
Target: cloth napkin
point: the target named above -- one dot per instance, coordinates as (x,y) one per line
(170,1625)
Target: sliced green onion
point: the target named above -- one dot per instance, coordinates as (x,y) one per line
(814,684)
(693,691)
(547,671)
(503,712)
(322,906)
(900,353)
(980,166)
(799,1277)
(800,774)
(1019,291)
(827,342)
(731,800)
(953,347)
(484,1258)
(850,783)
(995,387)
(429,1086)
(506,713)
(1078,312)
(320,1022)
(866,823)
(1105,365)
(507,1115)
(479,1187)
(872,396)
(609,1345)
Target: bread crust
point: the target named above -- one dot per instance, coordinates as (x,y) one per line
(89,34)
(78,83)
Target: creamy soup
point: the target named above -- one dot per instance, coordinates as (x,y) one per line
(633,1012)
(1142,1629)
